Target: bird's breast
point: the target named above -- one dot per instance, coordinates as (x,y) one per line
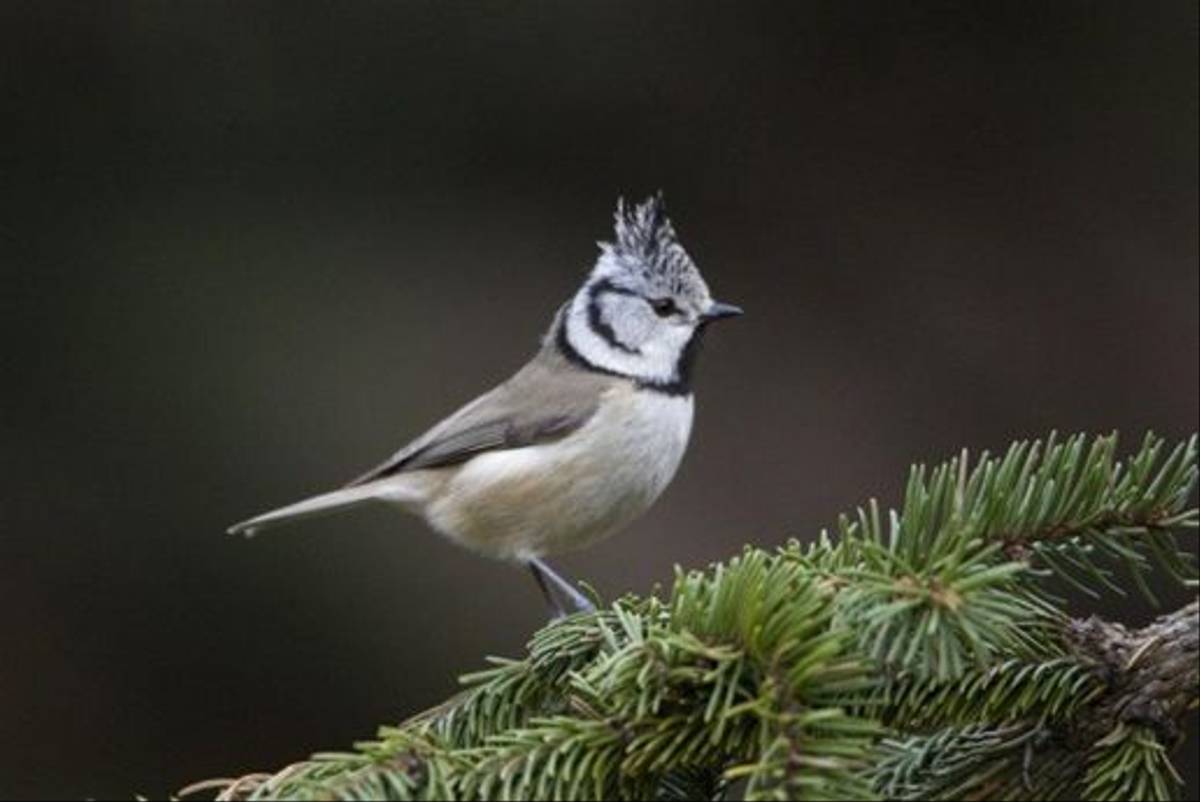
(564,495)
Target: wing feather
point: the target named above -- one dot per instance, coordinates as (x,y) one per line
(545,401)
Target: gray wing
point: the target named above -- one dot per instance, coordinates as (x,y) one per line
(546,400)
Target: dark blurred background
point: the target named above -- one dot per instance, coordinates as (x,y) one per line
(248,249)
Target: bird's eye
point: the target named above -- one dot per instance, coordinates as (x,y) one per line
(663,307)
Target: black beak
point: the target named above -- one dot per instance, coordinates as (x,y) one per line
(718,311)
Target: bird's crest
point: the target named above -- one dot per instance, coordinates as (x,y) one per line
(646,245)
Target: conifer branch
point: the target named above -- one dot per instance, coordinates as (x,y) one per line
(916,654)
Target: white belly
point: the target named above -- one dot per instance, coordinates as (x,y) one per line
(560,496)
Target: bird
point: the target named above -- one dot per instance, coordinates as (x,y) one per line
(582,439)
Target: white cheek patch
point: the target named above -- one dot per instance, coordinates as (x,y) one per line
(630,318)
(657,352)
(667,345)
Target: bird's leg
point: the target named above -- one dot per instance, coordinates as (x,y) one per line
(556,610)
(556,590)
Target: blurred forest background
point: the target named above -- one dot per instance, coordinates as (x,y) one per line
(247,249)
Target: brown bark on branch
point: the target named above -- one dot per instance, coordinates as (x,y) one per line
(1153,673)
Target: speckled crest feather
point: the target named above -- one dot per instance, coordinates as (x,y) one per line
(646,245)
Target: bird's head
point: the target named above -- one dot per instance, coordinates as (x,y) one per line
(642,308)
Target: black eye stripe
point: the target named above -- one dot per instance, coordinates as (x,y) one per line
(606,286)
(662,306)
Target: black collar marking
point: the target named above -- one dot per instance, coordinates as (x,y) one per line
(681,385)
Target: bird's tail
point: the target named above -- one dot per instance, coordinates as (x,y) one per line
(323,504)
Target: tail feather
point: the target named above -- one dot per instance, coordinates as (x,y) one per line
(316,506)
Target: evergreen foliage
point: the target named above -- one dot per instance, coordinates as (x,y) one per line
(912,654)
